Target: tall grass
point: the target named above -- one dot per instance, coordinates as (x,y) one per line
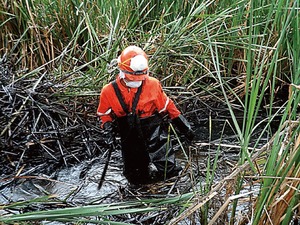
(241,53)
(266,48)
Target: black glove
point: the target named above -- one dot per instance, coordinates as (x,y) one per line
(108,133)
(184,127)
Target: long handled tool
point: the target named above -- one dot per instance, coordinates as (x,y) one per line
(111,147)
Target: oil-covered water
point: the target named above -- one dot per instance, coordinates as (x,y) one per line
(78,184)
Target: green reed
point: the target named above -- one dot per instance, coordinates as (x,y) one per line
(87,214)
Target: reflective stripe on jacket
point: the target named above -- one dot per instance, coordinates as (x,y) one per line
(152,99)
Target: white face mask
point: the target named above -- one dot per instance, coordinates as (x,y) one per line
(131,84)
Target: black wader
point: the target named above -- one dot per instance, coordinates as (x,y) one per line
(144,140)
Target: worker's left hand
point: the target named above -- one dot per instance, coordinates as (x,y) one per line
(189,135)
(184,127)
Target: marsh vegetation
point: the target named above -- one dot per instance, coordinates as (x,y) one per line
(232,67)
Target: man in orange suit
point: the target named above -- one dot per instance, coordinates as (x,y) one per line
(136,104)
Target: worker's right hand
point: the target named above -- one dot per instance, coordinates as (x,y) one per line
(108,133)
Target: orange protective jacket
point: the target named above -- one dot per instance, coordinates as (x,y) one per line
(152,99)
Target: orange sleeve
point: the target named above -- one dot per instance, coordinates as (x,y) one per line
(165,104)
(172,110)
(104,108)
